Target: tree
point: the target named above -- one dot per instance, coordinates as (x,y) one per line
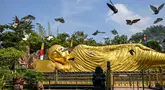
(107,41)
(78,37)
(9,39)
(41,30)
(154,45)
(34,42)
(17,33)
(64,39)
(136,37)
(120,39)
(90,41)
(152,33)
(32,77)
(49,29)
(8,60)
(28,18)
(9,55)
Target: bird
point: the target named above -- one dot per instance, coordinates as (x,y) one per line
(96,32)
(61,20)
(130,22)
(49,38)
(16,22)
(113,8)
(16,19)
(158,20)
(114,32)
(155,9)
(26,36)
(131,52)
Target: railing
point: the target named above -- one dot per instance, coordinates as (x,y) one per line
(119,79)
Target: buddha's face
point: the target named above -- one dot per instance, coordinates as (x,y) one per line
(57,54)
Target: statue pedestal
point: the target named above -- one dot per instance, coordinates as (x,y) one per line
(45,66)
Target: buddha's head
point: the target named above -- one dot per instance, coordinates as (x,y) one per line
(56,54)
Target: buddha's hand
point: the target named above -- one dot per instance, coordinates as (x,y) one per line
(61,67)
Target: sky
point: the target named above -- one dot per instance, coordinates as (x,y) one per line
(84,15)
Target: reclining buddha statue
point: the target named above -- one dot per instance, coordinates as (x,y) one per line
(123,57)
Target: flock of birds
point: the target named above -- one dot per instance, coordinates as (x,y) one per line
(112,7)
(155,9)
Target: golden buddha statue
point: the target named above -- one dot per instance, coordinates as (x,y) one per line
(123,57)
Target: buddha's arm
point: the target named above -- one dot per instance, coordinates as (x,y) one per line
(61,67)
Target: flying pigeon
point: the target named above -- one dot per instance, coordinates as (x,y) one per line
(130,22)
(16,22)
(112,7)
(61,20)
(114,32)
(155,9)
(26,36)
(50,38)
(158,20)
(96,32)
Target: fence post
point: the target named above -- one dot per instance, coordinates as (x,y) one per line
(149,79)
(142,79)
(108,81)
(49,81)
(130,83)
(161,76)
(56,76)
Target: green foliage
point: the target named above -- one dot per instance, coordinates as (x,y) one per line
(64,39)
(90,41)
(152,32)
(4,71)
(154,45)
(107,41)
(53,42)
(28,17)
(41,30)
(155,32)
(136,37)
(120,39)
(78,38)
(8,55)
(2,83)
(11,39)
(34,41)
(32,77)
